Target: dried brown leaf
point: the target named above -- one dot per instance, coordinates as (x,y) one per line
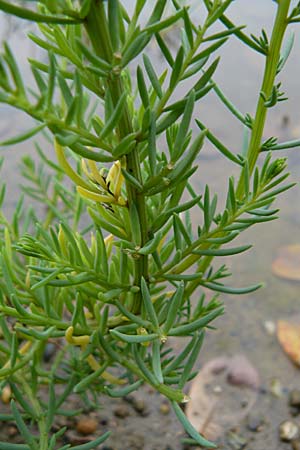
(288,335)
(287,263)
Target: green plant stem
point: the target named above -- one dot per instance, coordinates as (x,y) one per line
(39,414)
(97,29)
(53,121)
(272,60)
(41,420)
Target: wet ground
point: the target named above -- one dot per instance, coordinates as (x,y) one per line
(243,329)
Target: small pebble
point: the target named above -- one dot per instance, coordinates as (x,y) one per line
(244,403)
(12,431)
(294,398)
(288,431)
(286,120)
(139,406)
(129,398)
(217,390)
(6,394)
(164,408)
(263,390)
(49,351)
(121,412)
(86,426)
(270,327)
(294,412)
(103,421)
(255,423)
(276,387)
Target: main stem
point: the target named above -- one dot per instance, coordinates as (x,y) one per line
(97,29)
(41,419)
(272,60)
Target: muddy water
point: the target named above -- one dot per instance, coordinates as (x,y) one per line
(242,328)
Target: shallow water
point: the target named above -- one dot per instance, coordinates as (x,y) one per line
(239,74)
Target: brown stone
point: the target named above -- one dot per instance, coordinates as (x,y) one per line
(164,408)
(294,398)
(12,431)
(288,431)
(121,411)
(86,426)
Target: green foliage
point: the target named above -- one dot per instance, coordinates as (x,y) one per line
(111,271)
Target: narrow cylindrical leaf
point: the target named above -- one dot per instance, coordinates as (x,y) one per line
(14,349)
(177,68)
(174,306)
(133,339)
(184,126)
(164,49)
(190,429)
(219,146)
(206,209)
(177,235)
(189,364)
(132,180)
(152,145)
(51,81)
(92,444)
(127,144)
(182,230)
(135,225)
(156,361)
(177,362)
(152,76)
(13,67)
(93,58)
(161,25)
(143,91)
(33,16)
(182,168)
(229,290)
(198,324)
(135,48)
(151,245)
(106,225)
(87,381)
(223,251)
(148,305)
(132,317)
(115,393)
(24,136)
(113,121)
(147,374)
(157,11)
(206,77)
(113,22)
